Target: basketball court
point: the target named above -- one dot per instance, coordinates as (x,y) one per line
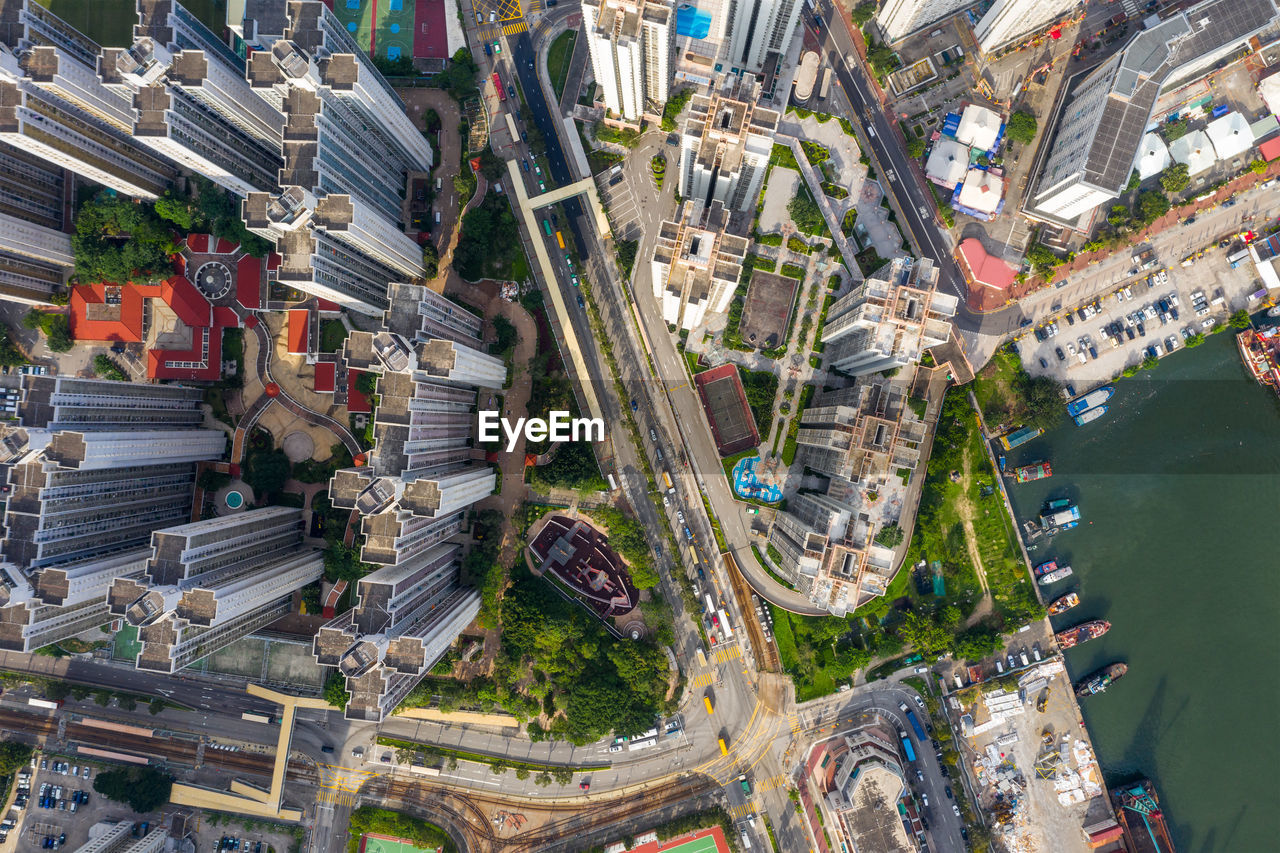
(372,843)
(396,29)
(725,402)
(703,841)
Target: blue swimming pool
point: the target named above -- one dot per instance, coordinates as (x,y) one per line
(692,21)
(747,485)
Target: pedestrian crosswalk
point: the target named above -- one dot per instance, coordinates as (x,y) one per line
(726,654)
(739,812)
(706,679)
(337,797)
(779,781)
(515,29)
(794,721)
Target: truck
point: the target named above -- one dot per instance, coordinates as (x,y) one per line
(724,626)
(706,700)
(666,479)
(915,724)
(497,84)
(745,783)
(511,126)
(906,746)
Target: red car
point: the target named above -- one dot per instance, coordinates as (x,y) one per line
(585,786)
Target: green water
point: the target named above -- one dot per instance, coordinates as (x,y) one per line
(1179,488)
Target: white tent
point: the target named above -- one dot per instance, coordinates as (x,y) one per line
(1195,150)
(981,191)
(947,163)
(979,127)
(1269,91)
(1231,135)
(1153,156)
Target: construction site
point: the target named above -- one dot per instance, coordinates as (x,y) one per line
(1031,760)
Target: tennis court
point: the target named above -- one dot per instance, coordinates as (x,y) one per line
(395,29)
(703,841)
(374,843)
(725,402)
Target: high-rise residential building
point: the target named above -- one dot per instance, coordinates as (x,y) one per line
(897,19)
(211,582)
(191,101)
(1008,21)
(1097,132)
(35,248)
(348,147)
(758,29)
(863,782)
(54,106)
(725,147)
(406,617)
(888,320)
(696,264)
(631,43)
(419,478)
(99,465)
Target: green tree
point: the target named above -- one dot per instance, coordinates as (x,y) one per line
(1175,129)
(915,147)
(1135,178)
(342,563)
(573,466)
(180,211)
(1239,319)
(862,13)
(1258,166)
(459,78)
(625,252)
(890,536)
(117,240)
(1175,179)
(10,355)
(1021,127)
(674,106)
(12,756)
(805,213)
(106,368)
(925,635)
(431,121)
(155,706)
(430,260)
(1151,205)
(402,67)
(144,789)
(335,690)
(267,470)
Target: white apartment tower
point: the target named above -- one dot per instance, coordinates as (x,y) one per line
(899,18)
(53,105)
(696,265)
(405,619)
(1008,21)
(758,28)
(191,101)
(35,249)
(889,320)
(211,582)
(725,148)
(631,43)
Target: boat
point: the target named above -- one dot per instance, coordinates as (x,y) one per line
(1260,352)
(1093,399)
(1063,604)
(1045,568)
(1141,818)
(1063,518)
(1055,576)
(1034,471)
(1082,633)
(1057,503)
(1002,463)
(1018,436)
(1090,416)
(1273,311)
(1101,680)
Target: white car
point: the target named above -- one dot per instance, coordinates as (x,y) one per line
(955,809)
(1164,276)
(924,800)
(1071,348)
(617,747)
(920,702)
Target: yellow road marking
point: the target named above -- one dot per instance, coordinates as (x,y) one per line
(515,29)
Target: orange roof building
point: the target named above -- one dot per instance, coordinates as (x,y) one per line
(299,324)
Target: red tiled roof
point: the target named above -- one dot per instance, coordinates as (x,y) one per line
(249,282)
(225,247)
(356,402)
(1270,149)
(187,302)
(198,243)
(984,268)
(224,316)
(324,380)
(326,305)
(298,321)
(273,261)
(127,328)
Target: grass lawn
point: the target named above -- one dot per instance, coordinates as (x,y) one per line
(127,646)
(691,359)
(558,56)
(332,334)
(995,391)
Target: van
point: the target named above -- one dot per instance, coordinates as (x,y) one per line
(493,16)
(871,131)
(437,217)
(1000,667)
(437,185)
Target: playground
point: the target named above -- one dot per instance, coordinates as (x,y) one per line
(396,29)
(374,843)
(748,484)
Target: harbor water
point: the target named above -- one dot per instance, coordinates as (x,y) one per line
(1179,489)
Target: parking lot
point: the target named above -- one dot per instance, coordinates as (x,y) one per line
(61,807)
(1152,313)
(615,194)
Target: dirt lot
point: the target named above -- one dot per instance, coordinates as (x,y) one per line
(769,301)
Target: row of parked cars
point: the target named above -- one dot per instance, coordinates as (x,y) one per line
(51,797)
(231,844)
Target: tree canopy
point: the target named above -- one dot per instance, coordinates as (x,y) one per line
(1151,205)
(335,690)
(56,328)
(1176,178)
(144,789)
(626,536)
(489,238)
(573,466)
(805,213)
(12,756)
(10,355)
(863,12)
(106,368)
(1021,127)
(117,240)
(459,78)
(266,470)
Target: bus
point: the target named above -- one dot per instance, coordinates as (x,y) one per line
(906,747)
(255,718)
(666,478)
(706,700)
(511,126)
(724,749)
(560,239)
(711,605)
(497,84)
(724,626)
(642,743)
(546,226)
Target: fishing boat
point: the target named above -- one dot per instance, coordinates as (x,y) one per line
(1101,680)
(1031,473)
(1063,604)
(1093,399)
(1082,633)
(1002,462)
(1090,416)
(1260,352)
(1055,576)
(1058,516)
(1046,567)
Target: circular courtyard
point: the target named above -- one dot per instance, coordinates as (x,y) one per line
(213,279)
